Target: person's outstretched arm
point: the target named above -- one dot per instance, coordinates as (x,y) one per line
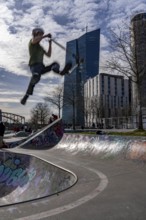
(49,52)
(38,38)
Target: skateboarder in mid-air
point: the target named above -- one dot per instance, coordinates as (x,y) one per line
(37,68)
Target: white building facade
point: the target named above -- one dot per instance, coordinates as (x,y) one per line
(106,96)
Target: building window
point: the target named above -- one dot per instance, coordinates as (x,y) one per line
(101,100)
(112,105)
(126,102)
(93,86)
(122,86)
(109,112)
(109,87)
(115,101)
(89,89)
(97,85)
(118,101)
(121,101)
(108,100)
(115,86)
(102,84)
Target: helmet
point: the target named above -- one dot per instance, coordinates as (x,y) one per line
(35,31)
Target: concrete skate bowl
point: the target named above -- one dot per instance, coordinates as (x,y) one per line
(24,178)
(104,146)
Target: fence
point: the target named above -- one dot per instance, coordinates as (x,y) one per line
(130,122)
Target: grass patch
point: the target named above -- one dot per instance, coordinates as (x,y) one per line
(82,132)
(127,133)
(130,133)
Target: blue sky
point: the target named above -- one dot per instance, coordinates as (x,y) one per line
(65,20)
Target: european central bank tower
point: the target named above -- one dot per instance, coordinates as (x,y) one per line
(86,47)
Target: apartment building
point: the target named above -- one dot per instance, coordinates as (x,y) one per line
(106,96)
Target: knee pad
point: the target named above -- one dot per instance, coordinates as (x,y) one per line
(55,67)
(35,79)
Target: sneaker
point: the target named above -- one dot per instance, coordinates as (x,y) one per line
(66,69)
(24,99)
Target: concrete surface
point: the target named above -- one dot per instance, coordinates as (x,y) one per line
(111,182)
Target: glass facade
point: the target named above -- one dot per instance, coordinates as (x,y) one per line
(86,47)
(138,33)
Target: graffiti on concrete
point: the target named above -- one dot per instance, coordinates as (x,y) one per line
(12,174)
(25,177)
(48,137)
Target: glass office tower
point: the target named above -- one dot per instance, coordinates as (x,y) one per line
(138,32)
(86,47)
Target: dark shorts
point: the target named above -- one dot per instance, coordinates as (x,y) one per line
(37,68)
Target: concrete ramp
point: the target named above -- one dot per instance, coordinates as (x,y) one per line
(46,138)
(104,146)
(25,177)
(94,145)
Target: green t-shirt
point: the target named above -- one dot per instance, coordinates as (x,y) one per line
(36,53)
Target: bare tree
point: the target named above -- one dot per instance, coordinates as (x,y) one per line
(87,110)
(97,109)
(40,114)
(56,99)
(124,60)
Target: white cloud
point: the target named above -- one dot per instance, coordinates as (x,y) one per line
(103,41)
(66,20)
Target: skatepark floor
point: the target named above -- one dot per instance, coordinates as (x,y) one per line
(108,188)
